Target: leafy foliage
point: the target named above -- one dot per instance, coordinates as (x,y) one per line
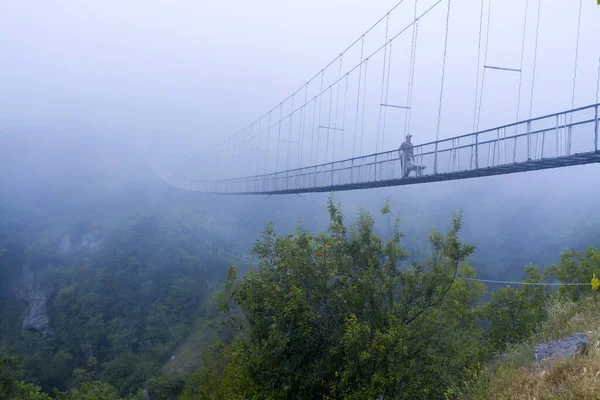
(333,316)
(96,391)
(342,314)
(11,388)
(165,386)
(116,315)
(515,313)
(576,267)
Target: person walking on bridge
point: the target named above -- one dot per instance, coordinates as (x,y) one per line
(407,157)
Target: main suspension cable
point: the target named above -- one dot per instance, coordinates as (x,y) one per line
(411,72)
(437,133)
(478,65)
(362,46)
(487,38)
(344,117)
(362,122)
(278,137)
(319,122)
(537,31)
(382,84)
(387,91)
(337,105)
(302,127)
(328,130)
(287,158)
(521,63)
(576,56)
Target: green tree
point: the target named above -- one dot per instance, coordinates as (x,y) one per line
(334,316)
(11,388)
(576,267)
(95,391)
(165,387)
(513,313)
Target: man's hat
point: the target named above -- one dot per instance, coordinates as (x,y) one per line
(409,135)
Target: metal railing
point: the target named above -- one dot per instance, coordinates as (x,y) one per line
(555,136)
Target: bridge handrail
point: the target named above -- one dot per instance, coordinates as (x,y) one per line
(433,152)
(352,159)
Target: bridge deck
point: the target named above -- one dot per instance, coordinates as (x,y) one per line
(557,140)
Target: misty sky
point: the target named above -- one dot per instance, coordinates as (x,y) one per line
(189,68)
(194,72)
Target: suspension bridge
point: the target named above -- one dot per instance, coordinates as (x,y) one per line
(334,132)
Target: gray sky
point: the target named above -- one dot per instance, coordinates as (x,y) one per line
(197,72)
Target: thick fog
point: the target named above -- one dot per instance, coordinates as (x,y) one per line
(87,87)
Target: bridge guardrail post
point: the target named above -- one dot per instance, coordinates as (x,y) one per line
(596,129)
(435,158)
(420,158)
(556,134)
(458,154)
(332,164)
(569,135)
(514,156)
(452,155)
(543,143)
(528,141)
(496,146)
(477,150)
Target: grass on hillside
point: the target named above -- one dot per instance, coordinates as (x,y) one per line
(518,377)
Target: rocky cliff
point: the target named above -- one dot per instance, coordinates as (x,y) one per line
(81,237)
(26,289)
